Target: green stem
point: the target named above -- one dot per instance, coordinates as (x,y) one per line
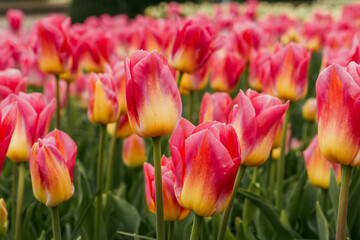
(56,223)
(343,202)
(171,226)
(191,106)
(110,167)
(179,78)
(98,209)
(323,200)
(58,125)
(14,188)
(281,163)
(19,203)
(195,231)
(160,224)
(226,214)
(68,106)
(272,176)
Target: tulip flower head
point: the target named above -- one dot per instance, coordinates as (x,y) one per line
(172,209)
(255,118)
(15,19)
(3,218)
(134,151)
(152,97)
(11,81)
(32,122)
(52,163)
(337,95)
(103,99)
(194,82)
(124,129)
(318,168)
(215,107)
(206,159)
(309,109)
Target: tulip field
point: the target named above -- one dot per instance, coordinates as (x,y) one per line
(211,122)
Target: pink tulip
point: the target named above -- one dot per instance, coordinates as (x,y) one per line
(11,81)
(215,107)
(134,151)
(15,19)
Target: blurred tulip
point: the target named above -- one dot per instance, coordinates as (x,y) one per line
(7,125)
(54,52)
(194,82)
(50,91)
(248,37)
(191,48)
(206,159)
(215,107)
(255,118)
(3,218)
(260,60)
(172,210)
(52,163)
(134,151)
(11,81)
(275,153)
(15,19)
(318,168)
(152,97)
(30,68)
(289,68)
(32,122)
(124,129)
(309,109)
(337,95)
(103,99)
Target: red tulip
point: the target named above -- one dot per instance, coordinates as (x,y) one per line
(172,210)
(248,37)
(258,68)
(337,95)
(206,159)
(15,19)
(255,118)
(215,107)
(11,81)
(194,82)
(32,122)
(152,97)
(52,163)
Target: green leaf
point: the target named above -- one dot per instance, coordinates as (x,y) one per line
(271,213)
(295,199)
(322,224)
(240,233)
(334,196)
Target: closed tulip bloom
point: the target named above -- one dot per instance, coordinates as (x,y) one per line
(3,218)
(309,109)
(8,116)
(103,99)
(337,95)
(289,68)
(134,151)
(255,118)
(260,60)
(191,48)
(215,107)
(318,168)
(206,159)
(52,163)
(152,97)
(172,209)
(117,71)
(226,71)
(194,82)
(248,37)
(11,81)
(32,122)
(54,52)
(124,129)
(15,19)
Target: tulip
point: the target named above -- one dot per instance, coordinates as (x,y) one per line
(256,118)
(30,68)
(7,125)
(260,60)
(11,81)
(54,53)
(318,168)
(134,151)
(215,146)
(337,93)
(152,98)
(15,19)
(309,109)
(103,99)
(52,163)
(32,122)
(3,218)
(172,209)
(124,129)
(191,48)
(50,91)
(215,107)
(289,67)
(248,38)
(194,82)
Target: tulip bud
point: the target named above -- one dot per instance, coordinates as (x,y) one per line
(318,168)
(3,218)
(124,129)
(134,151)
(215,107)
(52,163)
(309,109)
(152,97)
(103,99)
(172,210)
